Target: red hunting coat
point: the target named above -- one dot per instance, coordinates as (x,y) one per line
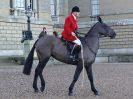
(69,27)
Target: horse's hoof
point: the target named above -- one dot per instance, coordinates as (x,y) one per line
(42,89)
(36,90)
(71,94)
(97,93)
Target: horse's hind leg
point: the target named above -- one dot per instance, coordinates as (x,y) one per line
(41,76)
(38,72)
(90,76)
(75,78)
(42,82)
(35,79)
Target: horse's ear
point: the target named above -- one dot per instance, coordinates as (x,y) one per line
(99,19)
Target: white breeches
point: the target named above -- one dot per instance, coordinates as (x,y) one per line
(77,41)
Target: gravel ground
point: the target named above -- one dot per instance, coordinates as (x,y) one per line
(113,81)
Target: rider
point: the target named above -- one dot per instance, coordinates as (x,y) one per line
(69,33)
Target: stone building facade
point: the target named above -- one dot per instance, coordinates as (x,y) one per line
(51,14)
(13,21)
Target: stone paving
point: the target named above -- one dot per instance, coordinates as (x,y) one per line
(113,81)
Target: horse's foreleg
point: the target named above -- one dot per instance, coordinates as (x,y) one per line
(75,78)
(90,76)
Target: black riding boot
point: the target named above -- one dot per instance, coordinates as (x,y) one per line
(75,52)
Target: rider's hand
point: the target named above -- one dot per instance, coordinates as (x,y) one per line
(73,34)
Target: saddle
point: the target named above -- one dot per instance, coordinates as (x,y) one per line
(68,44)
(73,49)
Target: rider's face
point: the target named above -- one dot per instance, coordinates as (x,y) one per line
(76,14)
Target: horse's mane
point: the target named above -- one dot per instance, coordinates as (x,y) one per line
(91,29)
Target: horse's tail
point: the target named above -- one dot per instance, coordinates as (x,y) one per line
(29,61)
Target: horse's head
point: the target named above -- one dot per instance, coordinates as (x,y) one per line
(104,29)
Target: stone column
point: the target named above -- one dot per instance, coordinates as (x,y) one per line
(26,48)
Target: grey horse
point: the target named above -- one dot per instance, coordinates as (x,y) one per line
(49,45)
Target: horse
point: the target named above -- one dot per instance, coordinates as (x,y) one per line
(50,45)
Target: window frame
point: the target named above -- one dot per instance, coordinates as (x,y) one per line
(53,7)
(20,4)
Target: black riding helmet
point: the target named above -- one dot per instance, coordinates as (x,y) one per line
(75,9)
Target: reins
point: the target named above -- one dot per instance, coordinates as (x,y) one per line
(82,54)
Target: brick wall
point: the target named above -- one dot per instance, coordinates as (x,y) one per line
(122,40)
(11,34)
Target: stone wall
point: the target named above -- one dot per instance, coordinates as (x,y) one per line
(124,38)
(12,25)
(11,34)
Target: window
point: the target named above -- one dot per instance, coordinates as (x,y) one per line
(53,7)
(32,4)
(19,7)
(95,7)
(20,4)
